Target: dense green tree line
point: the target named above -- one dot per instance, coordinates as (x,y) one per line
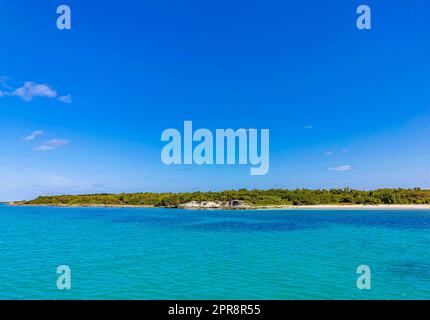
(251,197)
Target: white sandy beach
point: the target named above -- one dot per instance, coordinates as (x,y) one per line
(351,207)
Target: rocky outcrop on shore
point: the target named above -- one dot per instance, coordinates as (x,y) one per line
(232,204)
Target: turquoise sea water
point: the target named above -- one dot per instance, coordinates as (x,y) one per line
(177,254)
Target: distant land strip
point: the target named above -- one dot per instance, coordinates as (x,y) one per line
(245,199)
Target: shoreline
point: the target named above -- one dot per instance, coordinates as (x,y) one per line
(247,207)
(353,207)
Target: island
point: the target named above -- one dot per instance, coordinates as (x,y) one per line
(244,199)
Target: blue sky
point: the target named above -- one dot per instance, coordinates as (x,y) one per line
(344,107)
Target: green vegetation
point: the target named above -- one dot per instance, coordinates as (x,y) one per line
(250,197)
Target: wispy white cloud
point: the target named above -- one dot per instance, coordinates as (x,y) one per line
(3,83)
(52,145)
(345,167)
(33,135)
(308,126)
(31,90)
(328,153)
(65,99)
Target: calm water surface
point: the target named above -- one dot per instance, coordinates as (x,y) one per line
(176,254)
